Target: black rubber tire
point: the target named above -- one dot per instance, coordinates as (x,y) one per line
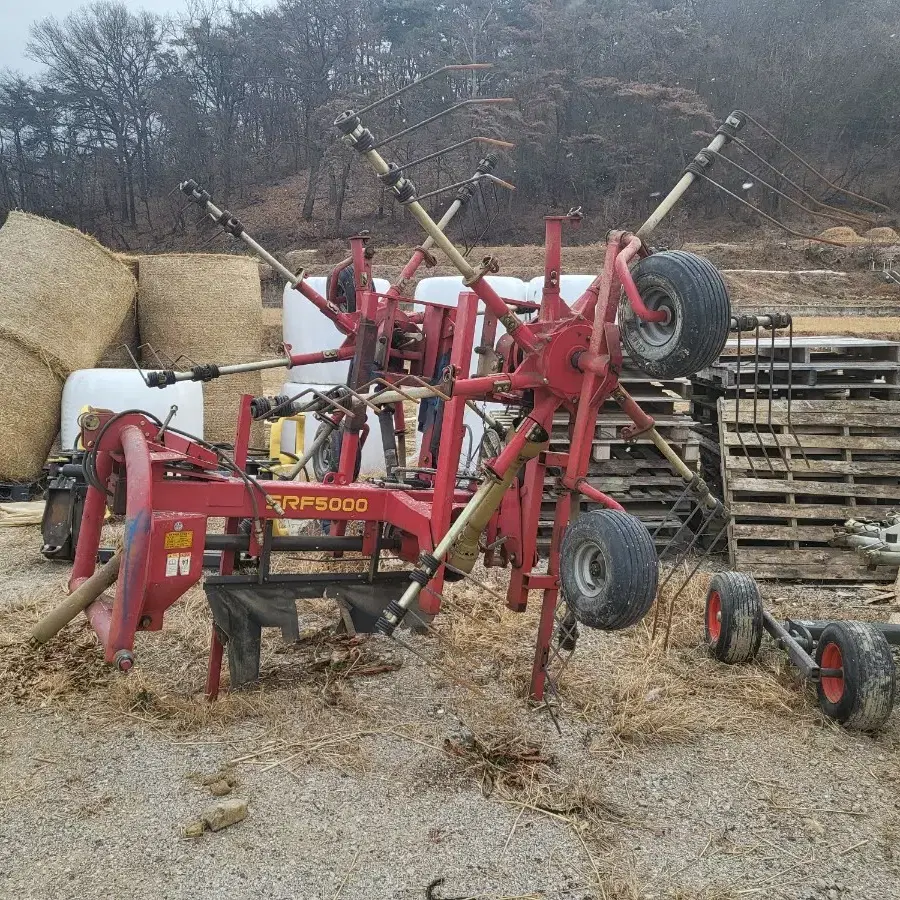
(694,292)
(346,289)
(326,458)
(864,696)
(608,569)
(733,617)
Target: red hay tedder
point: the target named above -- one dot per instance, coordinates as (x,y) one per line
(671,312)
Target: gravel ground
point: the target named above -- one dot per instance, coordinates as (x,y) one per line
(94,794)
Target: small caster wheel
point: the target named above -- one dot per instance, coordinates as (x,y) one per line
(608,568)
(734,618)
(860,686)
(328,455)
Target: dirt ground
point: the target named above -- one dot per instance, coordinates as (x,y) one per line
(371,772)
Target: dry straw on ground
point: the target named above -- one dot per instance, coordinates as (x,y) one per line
(63,297)
(207,308)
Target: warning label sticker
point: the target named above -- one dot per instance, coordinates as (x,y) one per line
(184,564)
(171,565)
(179,539)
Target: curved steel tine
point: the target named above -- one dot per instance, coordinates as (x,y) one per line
(756,400)
(691,574)
(737,403)
(775,437)
(790,424)
(328,401)
(137,365)
(421,382)
(670,511)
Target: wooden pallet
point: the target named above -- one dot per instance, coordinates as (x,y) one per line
(789,482)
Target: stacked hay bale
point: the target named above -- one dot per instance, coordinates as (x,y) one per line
(63,297)
(208,308)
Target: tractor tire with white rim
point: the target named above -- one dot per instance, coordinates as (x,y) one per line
(691,289)
(862,696)
(608,569)
(734,617)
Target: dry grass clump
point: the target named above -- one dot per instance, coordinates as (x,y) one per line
(633,691)
(882,235)
(165,689)
(481,636)
(518,769)
(644,695)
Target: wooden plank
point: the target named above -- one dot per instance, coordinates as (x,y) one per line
(827,488)
(834,511)
(862,413)
(819,564)
(813,464)
(874,443)
(820,534)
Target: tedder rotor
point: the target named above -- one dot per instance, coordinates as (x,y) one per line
(669,310)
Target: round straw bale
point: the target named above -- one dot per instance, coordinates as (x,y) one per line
(882,235)
(62,295)
(115,354)
(29,413)
(842,234)
(206,308)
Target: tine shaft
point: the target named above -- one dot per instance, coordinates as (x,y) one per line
(737,404)
(790,424)
(756,400)
(457,67)
(778,447)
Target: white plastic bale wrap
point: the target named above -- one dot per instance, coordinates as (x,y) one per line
(121,389)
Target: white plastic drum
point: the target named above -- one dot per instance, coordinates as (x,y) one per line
(121,389)
(571,287)
(307,331)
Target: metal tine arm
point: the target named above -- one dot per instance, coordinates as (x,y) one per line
(688,578)
(475,179)
(456,67)
(476,101)
(807,165)
(768,218)
(790,424)
(737,405)
(494,142)
(822,215)
(778,447)
(846,213)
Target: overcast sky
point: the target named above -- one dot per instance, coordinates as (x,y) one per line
(16,16)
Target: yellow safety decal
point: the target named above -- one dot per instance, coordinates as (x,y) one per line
(179,540)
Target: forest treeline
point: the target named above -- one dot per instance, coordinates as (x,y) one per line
(610,100)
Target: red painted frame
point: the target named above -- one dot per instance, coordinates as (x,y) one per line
(568,358)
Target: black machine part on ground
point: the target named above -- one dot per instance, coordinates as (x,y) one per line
(242,606)
(64,502)
(849,662)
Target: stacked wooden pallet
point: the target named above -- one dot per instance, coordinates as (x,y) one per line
(636,473)
(791,471)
